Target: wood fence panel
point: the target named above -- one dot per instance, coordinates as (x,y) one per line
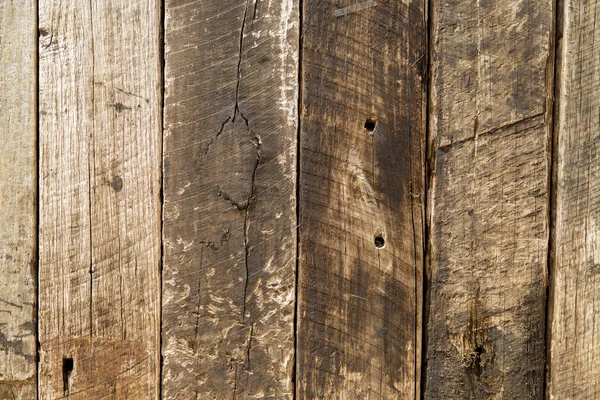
(574,356)
(18,235)
(361,199)
(490,132)
(230,198)
(100,146)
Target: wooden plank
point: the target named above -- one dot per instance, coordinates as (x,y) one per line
(100,146)
(490,132)
(230,182)
(18,235)
(361,200)
(574,356)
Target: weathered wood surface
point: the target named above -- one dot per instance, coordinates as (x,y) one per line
(574,354)
(100,141)
(490,129)
(229,199)
(18,235)
(361,187)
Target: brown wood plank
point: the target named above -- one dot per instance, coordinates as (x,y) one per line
(574,354)
(490,132)
(100,146)
(361,187)
(230,182)
(18,234)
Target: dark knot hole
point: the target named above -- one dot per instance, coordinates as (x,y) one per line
(67,368)
(370,124)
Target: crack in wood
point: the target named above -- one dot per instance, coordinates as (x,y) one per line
(255,10)
(518,126)
(247,220)
(91,167)
(250,336)
(236,109)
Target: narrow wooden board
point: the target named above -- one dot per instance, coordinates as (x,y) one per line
(361,186)
(100,146)
(574,354)
(489,150)
(229,207)
(18,176)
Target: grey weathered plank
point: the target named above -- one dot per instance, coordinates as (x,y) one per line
(230,179)
(574,354)
(490,130)
(100,146)
(361,186)
(18,233)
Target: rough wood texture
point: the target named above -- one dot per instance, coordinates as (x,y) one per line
(574,354)
(18,233)
(490,119)
(100,141)
(230,179)
(362,175)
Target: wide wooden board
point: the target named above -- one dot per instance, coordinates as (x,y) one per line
(229,199)
(489,156)
(361,200)
(18,201)
(100,146)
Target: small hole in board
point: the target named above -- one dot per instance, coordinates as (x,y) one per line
(370,124)
(117,183)
(379,242)
(67,367)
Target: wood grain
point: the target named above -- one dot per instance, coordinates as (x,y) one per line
(18,198)
(574,355)
(100,146)
(229,213)
(361,187)
(489,153)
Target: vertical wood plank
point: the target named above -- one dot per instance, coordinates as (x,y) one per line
(229,212)
(100,146)
(361,199)
(18,234)
(574,356)
(490,123)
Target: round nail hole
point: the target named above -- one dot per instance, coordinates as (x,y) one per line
(379,242)
(370,124)
(117,183)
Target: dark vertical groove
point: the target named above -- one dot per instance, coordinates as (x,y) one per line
(36,196)
(161,52)
(555,46)
(298,192)
(92,152)
(428,178)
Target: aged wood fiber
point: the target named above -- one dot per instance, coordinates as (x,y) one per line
(229,188)
(361,178)
(18,35)
(100,141)
(574,354)
(490,120)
